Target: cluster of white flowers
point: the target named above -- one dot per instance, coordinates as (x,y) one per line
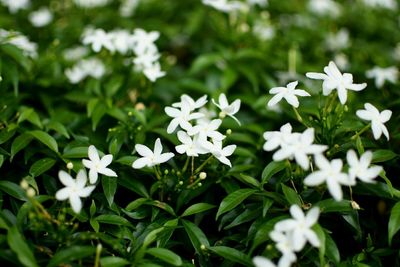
(91,3)
(140,43)
(291,235)
(19,40)
(389,4)
(41,17)
(198,132)
(75,189)
(228,6)
(15,5)
(91,67)
(390,74)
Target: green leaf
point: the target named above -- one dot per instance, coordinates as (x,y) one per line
(196,235)
(58,127)
(76,152)
(46,139)
(271,169)
(13,190)
(197,208)
(332,251)
(382,155)
(70,254)
(204,61)
(29,114)
(18,244)
(1,160)
(234,199)
(331,205)
(109,188)
(41,166)
(20,143)
(113,219)
(249,180)
(291,196)
(322,249)
(113,261)
(249,214)
(165,255)
(232,254)
(152,236)
(18,55)
(394,222)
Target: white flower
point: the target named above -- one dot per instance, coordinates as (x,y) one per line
(122,41)
(360,168)
(284,243)
(274,139)
(41,17)
(324,7)
(97,165)
(300,227)
(225,5)
(289,93)
(260,261)
(381,75)
(151,158)
(331,173)
(98,39)
(21,41)
(15,5)
(263,30)
(154,72)
(334,79)
(128,7)
(338,41)
(181,117)
(192,147)
(91,67)
(190,101)
(227,109)
(371,113)
(144,41)
(75,53)
(220,153)
(389,4)
(207,130)
(90,3)
(145,61)
(261,3)
(74,189)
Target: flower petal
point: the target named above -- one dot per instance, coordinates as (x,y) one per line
(93,154)
(66,179)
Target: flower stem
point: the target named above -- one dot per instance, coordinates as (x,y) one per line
(202,165)
(366,127)
(186,165)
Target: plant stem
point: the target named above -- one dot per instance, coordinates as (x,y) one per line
(366,127)
(202,165)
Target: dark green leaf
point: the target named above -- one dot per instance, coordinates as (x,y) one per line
(234,199)
(271,169)
(165,255)
(291,196)
(13,190)
(20,143)
(41,166)
(46,139)
(113,219)
(196,235)
(394,222)
(232,255)
(18,244)
(113,261)
(197,208)
(109,188)
(382,155)
(67,255)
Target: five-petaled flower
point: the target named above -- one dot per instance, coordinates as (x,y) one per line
(74,189)
(371,113)
(97,165)
(359,168)
(227,109)
(334,79)
(289,93)
(151,158)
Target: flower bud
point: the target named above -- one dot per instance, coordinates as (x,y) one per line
(203,247)
(203,175)
(24,184)
(70,165)
(30,192)
(355,205)
(222,115)
(228,132)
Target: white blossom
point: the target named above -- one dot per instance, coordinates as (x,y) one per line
(377,119)
(227,109)
(289,93)
(15,5)
(331,173)
(389,4)
(91,67)
(91,3)
(199,103)
(97,165)
(190,147)
(324,7)
(98,39)
(206,130)
(21,41)
(151,158)
(338,41)
(360,168)
(334,79)
(381,75)
(154,72)
(219,152)
(74,189)
(41,17)
(181,117)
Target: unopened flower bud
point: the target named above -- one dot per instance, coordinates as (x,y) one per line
(180,182)
(24,184)
(203,247)
(30,192)
(355,205)
(222,115)
(203,175)
(346,108)
(166,172)
(70,165)
(199,184)
(228,132)
(140,106)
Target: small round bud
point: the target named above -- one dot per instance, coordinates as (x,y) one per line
(24,184)
(199,184)
(203,175)
(346,108)
(140,106)
(228,132)
(178,173)
(180,182)
(30,192)
(222,114)
(203,247)
(166,172)
(70,165)
(130,113)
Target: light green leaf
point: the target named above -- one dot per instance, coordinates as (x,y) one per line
(18,244)
(382,155)
(394,222)
(113,219)
(67,255)
(29,114)
(41,166)
(109,188)
(165,255)
(46,139)
(291,196)
(13,190)
(234,199)
(113,261)
(232,255)
(197,208)
(58,127)
(196,235)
